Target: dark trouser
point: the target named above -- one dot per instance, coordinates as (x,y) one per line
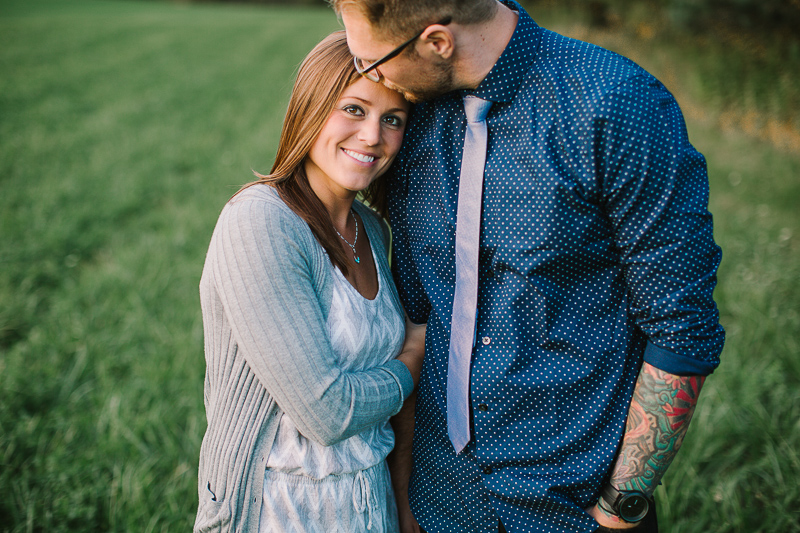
(648,525)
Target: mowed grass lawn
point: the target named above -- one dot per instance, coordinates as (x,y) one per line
(125,126)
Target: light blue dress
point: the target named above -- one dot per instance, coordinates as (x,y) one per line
(345,487)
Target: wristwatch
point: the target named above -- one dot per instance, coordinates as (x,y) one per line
(630,505)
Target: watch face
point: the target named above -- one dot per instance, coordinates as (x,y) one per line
(633,507)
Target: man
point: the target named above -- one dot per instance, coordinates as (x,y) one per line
(551,229)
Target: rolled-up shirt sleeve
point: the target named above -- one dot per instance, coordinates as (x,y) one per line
(655,193)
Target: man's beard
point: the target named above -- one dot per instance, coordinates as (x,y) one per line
(439,81)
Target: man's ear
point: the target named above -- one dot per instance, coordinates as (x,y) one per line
(438,40)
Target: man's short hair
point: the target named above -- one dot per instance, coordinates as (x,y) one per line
(400,19)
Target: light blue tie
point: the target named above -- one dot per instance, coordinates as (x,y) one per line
(465,302)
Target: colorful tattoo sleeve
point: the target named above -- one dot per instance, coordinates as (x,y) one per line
(659,415)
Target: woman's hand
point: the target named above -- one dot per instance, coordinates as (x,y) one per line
(400,463)
(413,351)
(408,524)
(400,460)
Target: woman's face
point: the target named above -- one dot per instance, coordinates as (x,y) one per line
(358,142)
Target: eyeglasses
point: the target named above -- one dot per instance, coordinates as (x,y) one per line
(366,70)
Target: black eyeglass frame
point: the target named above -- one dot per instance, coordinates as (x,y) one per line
(394,53)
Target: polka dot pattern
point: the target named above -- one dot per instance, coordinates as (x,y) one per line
(596,254)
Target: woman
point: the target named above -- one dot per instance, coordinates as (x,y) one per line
(304,331)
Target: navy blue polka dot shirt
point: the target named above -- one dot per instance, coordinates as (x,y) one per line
(596,253)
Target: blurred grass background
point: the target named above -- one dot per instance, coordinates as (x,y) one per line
(125,126)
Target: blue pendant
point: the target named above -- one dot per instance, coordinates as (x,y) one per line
(357,259)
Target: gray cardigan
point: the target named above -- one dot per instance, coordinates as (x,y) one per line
(265,293)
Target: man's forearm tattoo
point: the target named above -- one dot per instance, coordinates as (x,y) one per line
(659,415)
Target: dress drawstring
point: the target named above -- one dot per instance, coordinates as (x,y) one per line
(362,496)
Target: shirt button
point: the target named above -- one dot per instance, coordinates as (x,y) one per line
(487,470)
(486,340)
(483,407)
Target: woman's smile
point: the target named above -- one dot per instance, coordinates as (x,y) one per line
(358,156)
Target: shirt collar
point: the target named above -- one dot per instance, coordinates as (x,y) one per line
(505,77)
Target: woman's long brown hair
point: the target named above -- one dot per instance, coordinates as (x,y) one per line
(322,78)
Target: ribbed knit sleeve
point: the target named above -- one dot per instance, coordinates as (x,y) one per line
(270,276)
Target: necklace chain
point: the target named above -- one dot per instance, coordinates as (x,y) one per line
(352,246)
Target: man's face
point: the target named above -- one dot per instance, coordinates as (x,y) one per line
(409,74)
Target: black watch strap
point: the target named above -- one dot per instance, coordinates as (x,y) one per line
(612,499)
(610,496)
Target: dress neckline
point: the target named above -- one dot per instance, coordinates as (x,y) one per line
(378,271)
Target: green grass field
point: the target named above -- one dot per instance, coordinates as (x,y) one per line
(125,126)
